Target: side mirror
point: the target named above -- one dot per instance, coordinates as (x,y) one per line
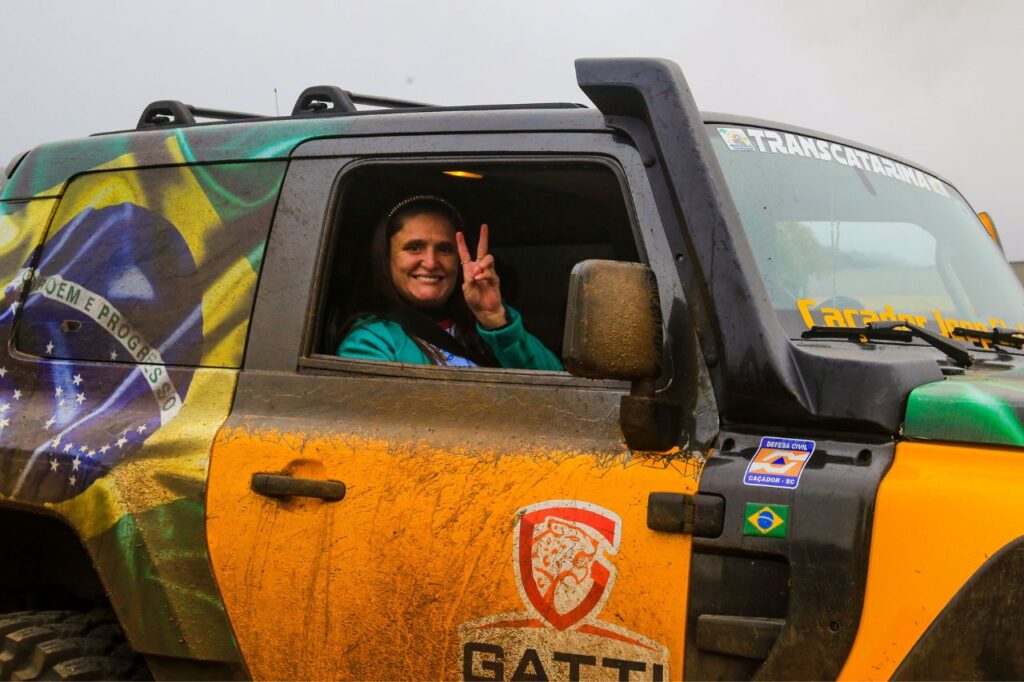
(612,322)
(990,227)
(613,330)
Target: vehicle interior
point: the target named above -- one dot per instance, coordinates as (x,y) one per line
(544,216)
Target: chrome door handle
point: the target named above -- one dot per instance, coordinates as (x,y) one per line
(277,485)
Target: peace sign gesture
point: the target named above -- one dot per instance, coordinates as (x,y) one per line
(480,284)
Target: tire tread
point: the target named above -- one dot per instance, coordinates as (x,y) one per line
(66,645)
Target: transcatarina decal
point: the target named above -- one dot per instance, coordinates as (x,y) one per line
(775,142)
(562,553)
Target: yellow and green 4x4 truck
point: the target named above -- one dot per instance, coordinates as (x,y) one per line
(788,444)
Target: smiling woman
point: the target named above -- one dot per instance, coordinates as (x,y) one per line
(423,261)
(415,311)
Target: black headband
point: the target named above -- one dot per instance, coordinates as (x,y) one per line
(427,198)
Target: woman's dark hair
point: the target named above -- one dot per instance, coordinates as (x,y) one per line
(380,296)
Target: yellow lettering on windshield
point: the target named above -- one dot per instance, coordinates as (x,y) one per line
(825,316)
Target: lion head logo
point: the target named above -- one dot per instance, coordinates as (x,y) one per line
(562,566)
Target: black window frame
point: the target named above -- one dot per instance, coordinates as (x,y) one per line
(310,360)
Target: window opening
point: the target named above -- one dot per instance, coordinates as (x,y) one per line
(543,218)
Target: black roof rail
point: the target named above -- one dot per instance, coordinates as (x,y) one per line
(169,112)
(314,101)
(375,101)
(221,114)
(330,99)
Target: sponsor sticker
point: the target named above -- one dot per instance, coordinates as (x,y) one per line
(562,563)
(766,520)
(736,139)
(779,462)
(766,141)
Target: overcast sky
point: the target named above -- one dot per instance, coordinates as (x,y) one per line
(936,81)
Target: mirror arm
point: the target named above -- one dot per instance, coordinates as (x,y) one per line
(613,330)
(648,422)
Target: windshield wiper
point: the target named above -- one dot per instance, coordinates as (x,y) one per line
(894,331)
(997,337)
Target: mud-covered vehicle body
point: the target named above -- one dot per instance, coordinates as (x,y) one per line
(788,445)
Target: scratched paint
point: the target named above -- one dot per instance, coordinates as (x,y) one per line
(378,585)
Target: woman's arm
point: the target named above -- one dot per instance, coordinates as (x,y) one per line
(499,326)
(516,348)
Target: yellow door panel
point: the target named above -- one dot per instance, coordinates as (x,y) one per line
(942,511)
(447,564)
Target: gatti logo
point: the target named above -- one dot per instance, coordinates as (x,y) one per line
(561,555)
(562,560)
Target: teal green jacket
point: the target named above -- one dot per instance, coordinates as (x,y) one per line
(374,338)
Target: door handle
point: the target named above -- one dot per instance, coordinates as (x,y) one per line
(276,485)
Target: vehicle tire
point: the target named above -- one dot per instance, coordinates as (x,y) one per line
(66,645)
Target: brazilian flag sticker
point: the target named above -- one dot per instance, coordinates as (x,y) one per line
(766,520)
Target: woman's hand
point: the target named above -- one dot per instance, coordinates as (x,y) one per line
(480,284)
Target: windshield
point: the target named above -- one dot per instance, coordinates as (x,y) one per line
(844,237)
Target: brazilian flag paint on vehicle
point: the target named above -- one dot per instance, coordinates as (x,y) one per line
(128,267)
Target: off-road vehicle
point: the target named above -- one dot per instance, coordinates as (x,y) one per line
(788,443)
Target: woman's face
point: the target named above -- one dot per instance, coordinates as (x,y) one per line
(424,261)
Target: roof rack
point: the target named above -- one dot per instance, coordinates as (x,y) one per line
(330,99)
(315,101)
(323,99)
(374,101)
(169,112)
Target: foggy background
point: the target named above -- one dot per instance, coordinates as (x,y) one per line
(936,81)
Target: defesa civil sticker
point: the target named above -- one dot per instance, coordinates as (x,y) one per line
(779,462)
